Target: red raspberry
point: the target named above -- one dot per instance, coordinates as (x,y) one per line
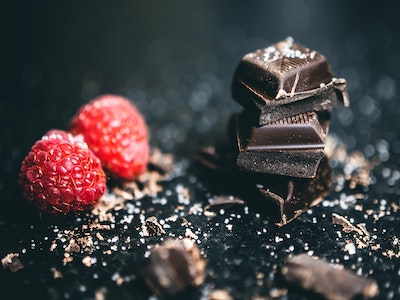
(116,132)
(60,174)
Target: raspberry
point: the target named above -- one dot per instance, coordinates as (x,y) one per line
(116,132)
(60,174)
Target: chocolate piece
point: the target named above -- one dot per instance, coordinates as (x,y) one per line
(292,146)
(173,267)
(279,198)
(223,201)
(285,198)
(152,227)
(272,81)
(321,277)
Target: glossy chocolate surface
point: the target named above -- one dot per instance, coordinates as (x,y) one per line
(285,68)
(297,132)
(272,80)
(291,147)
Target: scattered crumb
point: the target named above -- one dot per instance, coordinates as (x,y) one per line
(100,294)
(220,295)
(56,273)
(99,236)
(73,247)
(277,293)
(151,227)
(357,169)
(87,261)
(12,262)
(225,201)
(190,234)
(67,258)
(346,225)
(350,247)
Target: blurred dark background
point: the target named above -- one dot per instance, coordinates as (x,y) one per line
(175,61)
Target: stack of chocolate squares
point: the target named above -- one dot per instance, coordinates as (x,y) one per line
(288,92)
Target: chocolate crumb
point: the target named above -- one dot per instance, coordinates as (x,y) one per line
(151,227)
(223,201)
(220,295)
(87,261)
(73,246)
(357,168)
(148,183)
(346,225)
(100,294)
(160,162)
(12,262)
(56,273)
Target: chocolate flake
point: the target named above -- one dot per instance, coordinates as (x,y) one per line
(56,273)
(160,162)
(347,227)
(223,201)
(220,295)
(12,262)
(151,227)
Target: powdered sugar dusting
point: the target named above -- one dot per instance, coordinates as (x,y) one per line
(283,49)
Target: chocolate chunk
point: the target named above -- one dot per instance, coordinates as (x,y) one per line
(273,80)
(291,146)
(285,198)
(173,267)
(279,198)
(321,277)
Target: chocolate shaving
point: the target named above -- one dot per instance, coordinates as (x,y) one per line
(220,295)
(223,201)
(347,227)
(12,262)
(160,162)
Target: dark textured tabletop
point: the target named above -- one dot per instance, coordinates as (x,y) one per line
(175,61)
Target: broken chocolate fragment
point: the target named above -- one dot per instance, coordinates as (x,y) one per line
(223,201)
(285,198)
(173,267)
(12,262)
(333,283)
(152,227)
(272,82)
(279,198)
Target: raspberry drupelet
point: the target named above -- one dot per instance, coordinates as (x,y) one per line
(60,174)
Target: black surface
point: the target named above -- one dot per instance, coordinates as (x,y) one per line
(176,62)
